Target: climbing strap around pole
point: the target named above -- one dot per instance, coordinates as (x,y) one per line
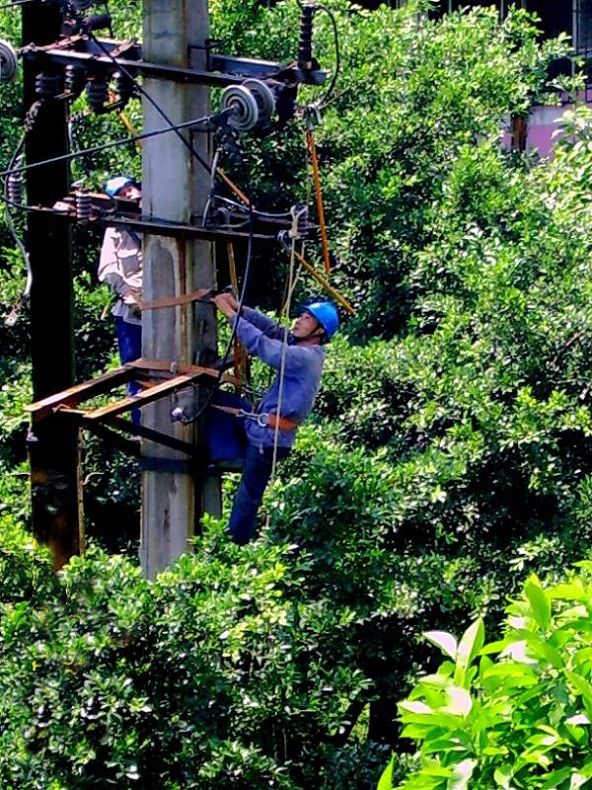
(174,301)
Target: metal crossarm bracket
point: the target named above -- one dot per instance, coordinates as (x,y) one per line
(224,70)
(161,227)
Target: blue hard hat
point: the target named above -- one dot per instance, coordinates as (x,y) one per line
(326,314)
(117,183)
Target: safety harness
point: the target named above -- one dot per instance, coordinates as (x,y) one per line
(263,419)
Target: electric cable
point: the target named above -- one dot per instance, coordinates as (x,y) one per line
(326,97)
(230,344)
(174,127)
(105,146)
(16,4)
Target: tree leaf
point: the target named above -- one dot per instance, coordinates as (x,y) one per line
(445,641)
(461,775)
(539,602)
(386,780)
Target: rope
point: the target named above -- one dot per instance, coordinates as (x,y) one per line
(241,361)
(295,217)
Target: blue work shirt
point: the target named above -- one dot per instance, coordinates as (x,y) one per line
(303,366)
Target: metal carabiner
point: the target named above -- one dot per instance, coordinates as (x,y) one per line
(262,418)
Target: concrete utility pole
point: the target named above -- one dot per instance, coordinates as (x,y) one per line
(175,188)
(54,458)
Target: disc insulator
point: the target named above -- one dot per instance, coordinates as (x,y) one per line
(48,86)
(83,206)
(15,188)
(264,97)
(8,61)
(243,106)
(124,87)
(97,93)
(75,79)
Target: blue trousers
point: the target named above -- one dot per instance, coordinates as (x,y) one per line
(257,468)
(129,342)
(227,440)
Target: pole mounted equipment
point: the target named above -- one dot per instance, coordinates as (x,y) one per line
(242,106)
(265,98)
(8,61)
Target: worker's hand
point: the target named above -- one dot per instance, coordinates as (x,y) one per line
(223,302)
(232,301)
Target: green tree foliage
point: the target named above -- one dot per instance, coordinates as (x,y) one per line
(519,720)
(214,674)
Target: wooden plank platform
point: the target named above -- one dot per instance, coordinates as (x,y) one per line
(80,392)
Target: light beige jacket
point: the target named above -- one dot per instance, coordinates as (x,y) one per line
(120,266)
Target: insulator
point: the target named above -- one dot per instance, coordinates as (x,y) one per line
(75,79)
(15,185)
(48,86)
(8,61)
(305,43)
(83,205)
(124,87)
(97,93)
(244,110)
(264,97)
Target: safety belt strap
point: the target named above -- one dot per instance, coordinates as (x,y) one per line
(265,420)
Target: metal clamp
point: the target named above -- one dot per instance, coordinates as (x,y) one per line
(261,418)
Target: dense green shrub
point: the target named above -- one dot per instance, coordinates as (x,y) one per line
(216,673)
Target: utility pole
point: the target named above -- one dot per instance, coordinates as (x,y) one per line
(175,187)
(53,446)
(179,331)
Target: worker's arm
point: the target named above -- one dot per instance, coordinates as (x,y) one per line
(256,342)
(269,326)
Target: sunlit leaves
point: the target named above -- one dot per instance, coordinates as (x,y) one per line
(524,719)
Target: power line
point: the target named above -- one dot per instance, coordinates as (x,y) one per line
(105,146)
(16,3)
(187,143)
(324,100)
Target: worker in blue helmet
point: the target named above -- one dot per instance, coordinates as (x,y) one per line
(124,187)
(120,266)
(270,430)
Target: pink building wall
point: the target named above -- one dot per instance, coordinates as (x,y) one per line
(542,127)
